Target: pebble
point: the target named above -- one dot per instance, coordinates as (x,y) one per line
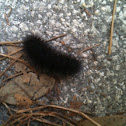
(115,57)
(84,55)
(14,29)
(117,67)
(23,27)
(49,6)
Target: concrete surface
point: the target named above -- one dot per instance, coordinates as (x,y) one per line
(101,85)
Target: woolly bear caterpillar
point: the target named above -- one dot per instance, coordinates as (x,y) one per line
(48,60)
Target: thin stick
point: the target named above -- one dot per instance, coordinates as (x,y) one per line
(88,48)
(7,107)
(6,18)
(10,77)
(18,50)
(18,42)
(87,12)
(60,107)
(53,38)
(10,118)
(45,121)
(19,60)
(13,45)
(11,65)
(55,115)
(24,121)
(70,120)
(112,26)
(9,12)
(28,124)
(10,42)
(18,119)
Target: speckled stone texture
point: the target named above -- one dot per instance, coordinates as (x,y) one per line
(101,85)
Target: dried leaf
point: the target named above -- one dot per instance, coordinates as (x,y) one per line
(23,100)
(34,88)
(114,120)
(26,77)
(76,104)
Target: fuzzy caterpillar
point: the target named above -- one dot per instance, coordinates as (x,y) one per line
(48,60)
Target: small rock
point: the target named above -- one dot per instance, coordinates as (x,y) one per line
(14,29)
(49,6)
(104,2)
(115,57)
(79,45)
(97,12)
(62,19)
(49,14)
(23,27)
(39,22)
(58,25)
(52,22)
(117,67)
(84,55)
(118,9)
(39,16)
(110,73)
(108,9)
(1,50)
(14,3)
(101,74)
(61,1)
(16,22)
(49,33)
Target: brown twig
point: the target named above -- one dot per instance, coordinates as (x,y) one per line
(88,48)
(9,12)
(11,65)
(19,60)
(10,77)
(18,42)
(70,120)
(6,18)
(53,38)
(45,121)
(22,118)
(13,45)
(63,108)
(7,15)
(112,26)
(18,119)
(10,42)
(29,122)
(11,117)
(61,118)
(87,12)
(54,114)
(24,121)
(9,110)
(18,50)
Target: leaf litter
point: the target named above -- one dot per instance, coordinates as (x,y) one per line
(25,87)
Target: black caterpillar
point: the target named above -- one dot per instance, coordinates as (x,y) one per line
(48,60)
